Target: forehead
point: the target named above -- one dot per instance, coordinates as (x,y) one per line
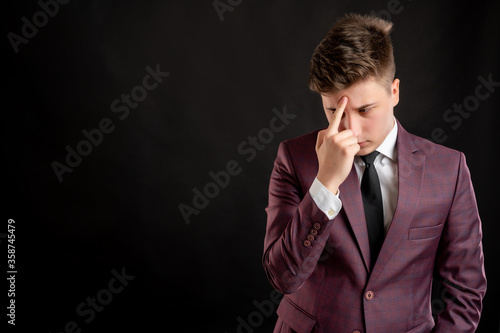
(359,93)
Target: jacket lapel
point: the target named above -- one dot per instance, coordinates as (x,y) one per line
(411,165)
(352,202)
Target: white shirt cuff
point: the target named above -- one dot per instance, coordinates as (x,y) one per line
(326,201)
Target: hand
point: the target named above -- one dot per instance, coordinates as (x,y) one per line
(335,151)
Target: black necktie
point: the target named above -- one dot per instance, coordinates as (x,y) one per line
(372,202)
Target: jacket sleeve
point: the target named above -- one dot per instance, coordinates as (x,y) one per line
(292,216)
(460,261)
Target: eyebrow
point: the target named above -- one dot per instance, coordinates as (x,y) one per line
(360,108)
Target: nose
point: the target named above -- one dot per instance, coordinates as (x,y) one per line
(351,121)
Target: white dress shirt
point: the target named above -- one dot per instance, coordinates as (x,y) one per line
(386,164)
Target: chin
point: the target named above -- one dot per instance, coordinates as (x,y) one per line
(365,151)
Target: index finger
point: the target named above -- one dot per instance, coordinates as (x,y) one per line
(337,116)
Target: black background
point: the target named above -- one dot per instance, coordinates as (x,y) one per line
(119,207)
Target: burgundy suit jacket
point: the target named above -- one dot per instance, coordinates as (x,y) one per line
(328,284)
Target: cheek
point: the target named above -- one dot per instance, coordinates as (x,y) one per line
(371,127)
(368,125)
(381,126)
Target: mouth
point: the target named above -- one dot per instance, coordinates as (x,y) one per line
(363,143)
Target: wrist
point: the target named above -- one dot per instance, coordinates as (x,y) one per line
(331,185)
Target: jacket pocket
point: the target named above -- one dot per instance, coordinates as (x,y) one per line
(296,318)
(425,327)
(425,232)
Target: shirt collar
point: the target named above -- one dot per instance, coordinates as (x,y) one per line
(388,146)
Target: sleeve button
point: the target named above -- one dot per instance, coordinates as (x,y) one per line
(307,243)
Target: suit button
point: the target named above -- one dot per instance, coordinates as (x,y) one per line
(307,243)
(313,232)
(310,237)
(369,295)
(317,226)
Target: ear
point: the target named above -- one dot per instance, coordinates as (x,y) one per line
(395,92)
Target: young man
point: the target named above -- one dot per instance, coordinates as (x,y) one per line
(362,215)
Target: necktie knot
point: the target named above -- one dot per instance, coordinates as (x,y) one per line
(368,159)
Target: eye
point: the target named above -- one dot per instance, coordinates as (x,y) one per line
(365,110)
(333,111)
